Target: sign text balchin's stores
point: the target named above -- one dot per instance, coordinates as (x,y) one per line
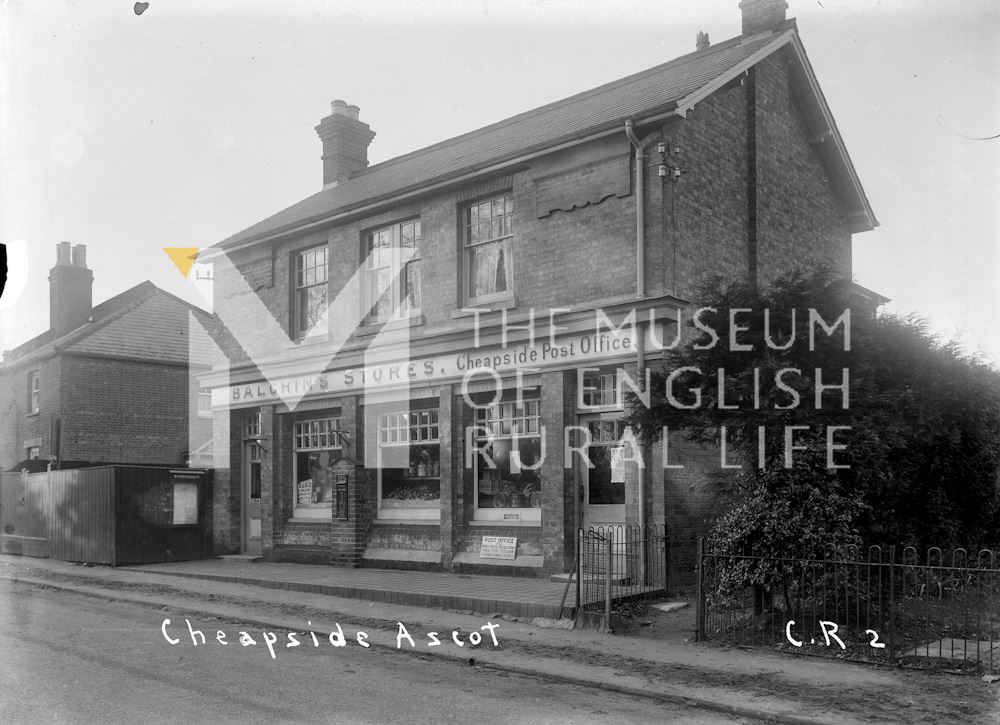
(571,349)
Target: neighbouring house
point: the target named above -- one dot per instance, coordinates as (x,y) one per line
(108,383)
(512,262)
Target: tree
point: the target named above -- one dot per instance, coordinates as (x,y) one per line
(919,421)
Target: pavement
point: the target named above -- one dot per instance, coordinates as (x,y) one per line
(509,596)
(654,658)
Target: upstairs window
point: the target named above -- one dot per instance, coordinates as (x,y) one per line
(310,288)
(488,249)
(393,271)
(34,390)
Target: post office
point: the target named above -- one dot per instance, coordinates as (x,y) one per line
(454,320)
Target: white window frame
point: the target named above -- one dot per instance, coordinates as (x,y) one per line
(401,430)
(599,390)
(34,391)
(251,426)
(316,435)
(204,396)
(473,229)
(396,261)
(311,271)
(503,421)
(33,453)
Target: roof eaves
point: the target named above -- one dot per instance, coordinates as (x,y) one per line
(241,239)
(425,187)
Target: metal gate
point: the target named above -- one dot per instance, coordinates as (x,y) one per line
(618,564)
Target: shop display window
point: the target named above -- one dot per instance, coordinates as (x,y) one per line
(508,466)
(317,447)
(409,465)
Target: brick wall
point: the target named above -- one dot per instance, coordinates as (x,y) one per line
(20,426)
(124,411)
(693,497)
(800,217)
(226,493)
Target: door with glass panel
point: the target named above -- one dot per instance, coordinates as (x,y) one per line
(602,478)
(253,457)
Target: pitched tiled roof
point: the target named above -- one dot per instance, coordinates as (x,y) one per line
(608,106)
(142,322)
(155,329)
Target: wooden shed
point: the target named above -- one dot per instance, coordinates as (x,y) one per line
(107,514)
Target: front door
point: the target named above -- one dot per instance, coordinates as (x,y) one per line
(604,480)
(604,491)
(253,456)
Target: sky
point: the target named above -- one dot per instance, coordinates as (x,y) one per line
(183,125)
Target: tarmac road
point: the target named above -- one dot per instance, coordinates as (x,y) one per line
(67,658)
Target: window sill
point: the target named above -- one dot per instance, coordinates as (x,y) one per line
(505,524)
(431,523)
(507,303)
(33,415)
(309,341)
(398,323)
(300,520)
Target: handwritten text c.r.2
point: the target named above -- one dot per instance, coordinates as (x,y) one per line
(829,630)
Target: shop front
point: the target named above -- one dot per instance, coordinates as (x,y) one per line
(444,467)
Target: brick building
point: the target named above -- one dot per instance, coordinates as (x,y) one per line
(111,383)
(481,292)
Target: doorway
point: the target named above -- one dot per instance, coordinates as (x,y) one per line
(253,456)
(603,482)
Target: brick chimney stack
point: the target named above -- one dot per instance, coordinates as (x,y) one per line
(345,143)
(71,289)
(702,41)
(762,15)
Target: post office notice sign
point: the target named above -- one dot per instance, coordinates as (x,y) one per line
(498,547)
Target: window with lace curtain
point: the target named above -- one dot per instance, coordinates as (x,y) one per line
(393,277)
(488,229)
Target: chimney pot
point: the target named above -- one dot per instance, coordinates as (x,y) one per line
(762,15)
(80,256)
(352,112)
(63,253)
(338,108)
(702,42)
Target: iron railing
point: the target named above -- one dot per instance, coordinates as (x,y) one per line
(936,610)
(618,564)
